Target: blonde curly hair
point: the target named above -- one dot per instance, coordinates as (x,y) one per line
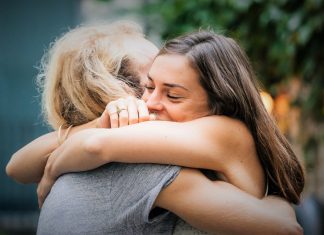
(85,69)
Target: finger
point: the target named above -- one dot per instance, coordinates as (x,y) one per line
(104,120)
(43,192)
(143,113)
(40,197)
(114,120)
(132,111)
(39,201)
(123,112)
(123,118)
(113,114)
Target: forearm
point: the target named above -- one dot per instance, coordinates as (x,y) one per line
(140,143)
(221,208)
(74,155)
(161,143)
(92,148)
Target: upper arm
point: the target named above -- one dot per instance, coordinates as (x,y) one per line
(221,207)
(27,164)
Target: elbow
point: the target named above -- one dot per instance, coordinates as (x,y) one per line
(297,230)
(93,146)
(12,173)
(294,229)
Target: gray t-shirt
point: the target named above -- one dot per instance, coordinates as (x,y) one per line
(113,199)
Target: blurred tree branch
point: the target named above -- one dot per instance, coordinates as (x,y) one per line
(283,38)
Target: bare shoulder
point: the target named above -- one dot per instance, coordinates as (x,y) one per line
(228,131)
(232,146)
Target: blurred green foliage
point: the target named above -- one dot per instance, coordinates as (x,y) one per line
(283,38)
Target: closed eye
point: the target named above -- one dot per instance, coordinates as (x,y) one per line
(174,97)
(150,88)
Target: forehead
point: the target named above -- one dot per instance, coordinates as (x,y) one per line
(172,68)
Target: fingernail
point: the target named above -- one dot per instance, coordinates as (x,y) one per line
(153,116)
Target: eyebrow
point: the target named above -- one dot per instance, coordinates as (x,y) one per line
(172,85)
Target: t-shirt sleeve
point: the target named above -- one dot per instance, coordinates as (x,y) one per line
(142,183)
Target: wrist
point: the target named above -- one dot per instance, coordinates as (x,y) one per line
(50,169)
(62,135)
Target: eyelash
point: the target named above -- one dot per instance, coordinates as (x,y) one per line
(149,88)
(173,97)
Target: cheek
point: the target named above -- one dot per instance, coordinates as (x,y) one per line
(178,114)
(187,112)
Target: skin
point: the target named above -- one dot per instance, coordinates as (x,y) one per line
(171,98)
(159,101)
(28,163)
(173,90)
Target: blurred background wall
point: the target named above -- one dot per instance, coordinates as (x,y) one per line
(283,38)
(26,29)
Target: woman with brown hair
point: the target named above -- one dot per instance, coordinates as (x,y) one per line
(210,130)
(207,77)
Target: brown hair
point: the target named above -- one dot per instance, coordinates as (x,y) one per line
(227,76)
(84,70)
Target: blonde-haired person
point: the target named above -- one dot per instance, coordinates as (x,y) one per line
(90,66)
(209,202)
(83,71)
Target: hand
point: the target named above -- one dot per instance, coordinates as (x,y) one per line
(123,112)
(45,185)
(71,156)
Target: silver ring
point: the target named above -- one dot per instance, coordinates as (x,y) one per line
(119,110)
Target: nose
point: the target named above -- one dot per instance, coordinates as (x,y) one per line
(153,101)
